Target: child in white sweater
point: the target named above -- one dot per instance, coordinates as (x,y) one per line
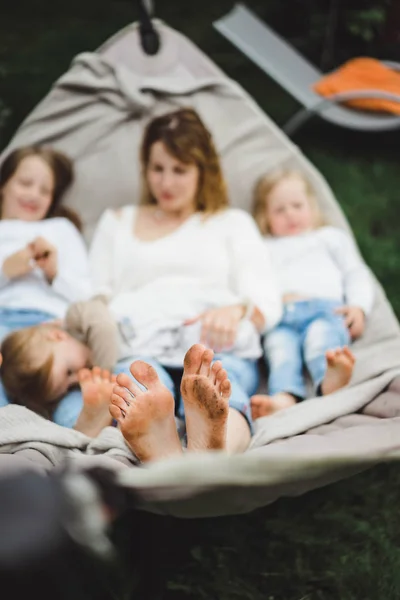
(326,289)
(44,265)
(43,260)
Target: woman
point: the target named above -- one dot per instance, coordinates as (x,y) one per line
(43,260)
(184,268)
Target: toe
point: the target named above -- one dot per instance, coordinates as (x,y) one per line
(116,412)
(192,360)
(96,374)
(221,377)
(255,409)
(225,389)
(106,375)
(119,400)
(330,357)
(206,360)
(257,399)
(126,396)
(216,367)
(144,373)
(127,382)
(84,375)
(349,354)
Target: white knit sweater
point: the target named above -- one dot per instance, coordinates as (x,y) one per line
(32,291)
(212,262)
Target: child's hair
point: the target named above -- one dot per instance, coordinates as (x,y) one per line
(62,169)
(26,371)
(187,139)
(265,185)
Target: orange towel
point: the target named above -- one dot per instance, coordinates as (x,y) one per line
(363,74)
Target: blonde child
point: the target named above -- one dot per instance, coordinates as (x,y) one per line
(326,290)
(42,362)
(96,387)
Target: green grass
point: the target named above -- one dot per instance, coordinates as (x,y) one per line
(335,543)
(340,542)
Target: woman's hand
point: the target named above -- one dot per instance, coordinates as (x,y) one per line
(19,264)
(45,256)
(354,320)
(219,326)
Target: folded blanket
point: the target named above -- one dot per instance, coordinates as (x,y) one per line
(212,483)
(363,74)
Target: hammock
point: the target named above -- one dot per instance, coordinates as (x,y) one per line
(96,112)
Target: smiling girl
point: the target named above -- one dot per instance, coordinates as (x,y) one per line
(43,259)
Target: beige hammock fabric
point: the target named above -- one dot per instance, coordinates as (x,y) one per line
(96,113)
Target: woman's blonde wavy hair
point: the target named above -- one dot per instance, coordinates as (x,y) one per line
(186,138)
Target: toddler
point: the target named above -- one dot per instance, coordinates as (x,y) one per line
(326,290)
(42,362)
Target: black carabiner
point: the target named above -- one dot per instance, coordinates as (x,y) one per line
(149,37)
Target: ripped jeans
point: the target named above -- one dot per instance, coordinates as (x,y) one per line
(307,330)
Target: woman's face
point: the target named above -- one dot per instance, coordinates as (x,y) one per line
(172,183)
(28,194)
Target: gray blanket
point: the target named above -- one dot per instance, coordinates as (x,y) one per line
(211,484)
(96,113)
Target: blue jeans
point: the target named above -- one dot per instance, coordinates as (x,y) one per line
(307,330)
(11,319)
(243,375)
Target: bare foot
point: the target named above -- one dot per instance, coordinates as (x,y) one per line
(146,418)
(96,386)
(205,391)
(340,368)
(263,405)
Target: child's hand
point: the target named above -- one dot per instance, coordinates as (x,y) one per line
(354,319)
(45,255)
(19,264)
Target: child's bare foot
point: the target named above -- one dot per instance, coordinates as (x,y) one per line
(205,390)
(263,405)
(96,386)
(340,368)
(146,418)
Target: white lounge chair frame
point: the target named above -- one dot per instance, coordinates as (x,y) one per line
(297,75)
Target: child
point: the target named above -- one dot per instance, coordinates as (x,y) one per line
(43,260)
(326,290)
(96,386)
(42,362)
